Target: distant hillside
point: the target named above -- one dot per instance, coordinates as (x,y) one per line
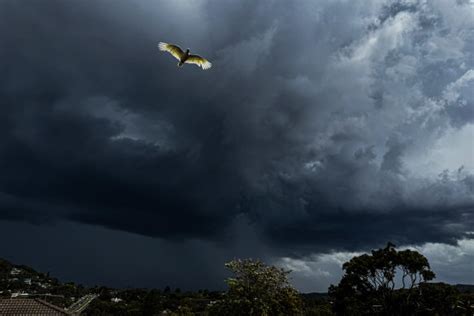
(21,274)
(24,281)
(465,288)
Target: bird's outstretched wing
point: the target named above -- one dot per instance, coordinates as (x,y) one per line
(198,60)
(174,50)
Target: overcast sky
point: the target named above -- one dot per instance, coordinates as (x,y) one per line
(324,129)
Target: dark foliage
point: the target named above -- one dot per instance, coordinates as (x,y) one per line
(369,287)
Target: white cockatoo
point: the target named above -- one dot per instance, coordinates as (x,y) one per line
(184,57)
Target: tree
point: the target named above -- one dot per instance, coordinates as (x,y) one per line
(257,289)
(437,299)
(183,311)
(368,284)
(152,303)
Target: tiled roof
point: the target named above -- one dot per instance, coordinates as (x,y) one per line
(29,306)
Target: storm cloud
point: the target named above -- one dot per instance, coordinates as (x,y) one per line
(322,126)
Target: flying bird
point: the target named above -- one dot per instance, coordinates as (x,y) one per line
(184,57)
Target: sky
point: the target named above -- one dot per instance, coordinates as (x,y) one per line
(323,130)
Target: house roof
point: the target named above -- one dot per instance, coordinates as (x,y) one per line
(28,306)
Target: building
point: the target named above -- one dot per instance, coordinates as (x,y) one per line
(19,294)
(29,306)
(15,271)
(116,300)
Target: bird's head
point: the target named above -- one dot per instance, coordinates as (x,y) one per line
(187,50)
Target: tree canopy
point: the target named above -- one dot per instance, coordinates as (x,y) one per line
(391,282)
(258,289)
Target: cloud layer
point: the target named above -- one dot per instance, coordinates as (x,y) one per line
(329,126)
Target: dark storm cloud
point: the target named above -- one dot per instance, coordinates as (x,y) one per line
(63,159)
(304,126)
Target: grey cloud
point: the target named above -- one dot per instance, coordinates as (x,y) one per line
(306,126)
